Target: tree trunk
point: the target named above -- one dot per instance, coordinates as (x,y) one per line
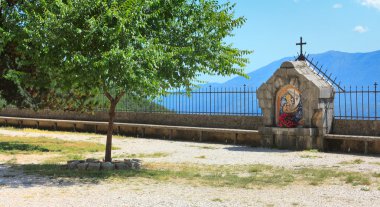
(108,157)
(111,113)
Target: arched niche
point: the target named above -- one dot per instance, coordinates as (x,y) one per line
(289,108)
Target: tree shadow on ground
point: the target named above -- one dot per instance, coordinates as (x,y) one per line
(57,175)
(12,146)
(255,149)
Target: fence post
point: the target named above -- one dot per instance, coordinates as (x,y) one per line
(244,97)
(210,99)
(340,111)
(375,100)
(362,102)
(368,103)
(350,103)
(356,102)
(179,101)
(225,101)
(345,103)
(257,105)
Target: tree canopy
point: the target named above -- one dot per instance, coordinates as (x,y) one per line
(70,51)
(11,37)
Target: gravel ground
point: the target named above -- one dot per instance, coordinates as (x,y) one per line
(17,189)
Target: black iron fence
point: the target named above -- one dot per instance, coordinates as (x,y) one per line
(241,101)
(353,103)
(358,103)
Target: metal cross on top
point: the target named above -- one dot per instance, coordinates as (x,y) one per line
(301,56)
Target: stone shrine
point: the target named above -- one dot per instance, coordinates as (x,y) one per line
(297,106)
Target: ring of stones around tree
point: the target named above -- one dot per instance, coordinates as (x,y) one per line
(95,164)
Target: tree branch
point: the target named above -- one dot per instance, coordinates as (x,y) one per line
(108,95)
(117,99)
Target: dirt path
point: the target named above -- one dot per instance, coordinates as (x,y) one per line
(141,193)
(220,154)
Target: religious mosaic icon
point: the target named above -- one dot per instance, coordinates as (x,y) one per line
(289,107)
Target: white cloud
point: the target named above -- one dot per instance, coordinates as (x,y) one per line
(360,29)
(338,6)
(371,3)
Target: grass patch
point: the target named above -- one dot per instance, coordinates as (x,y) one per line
(365,188)
(238,176)
(201,157)
(319,176)
(217,200)
(352,162)
(376,175)
(259,168)
(12,146)
(41,131)
(12,161)
(204,147)
(143,155)
(30,145)
(310,156)
(63,158)
(357,179)
(312,150)
(375,163)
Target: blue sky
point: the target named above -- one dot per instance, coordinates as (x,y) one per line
(274,26)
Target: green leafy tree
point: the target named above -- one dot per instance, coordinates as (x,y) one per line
(83,48)
(11,36)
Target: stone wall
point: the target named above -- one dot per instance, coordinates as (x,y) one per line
(232,122)
(183,133)
(345,127)
(357,127)
(340,126)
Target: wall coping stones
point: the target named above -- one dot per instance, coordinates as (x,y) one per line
(190,128)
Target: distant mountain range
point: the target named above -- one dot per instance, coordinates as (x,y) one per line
(355,69)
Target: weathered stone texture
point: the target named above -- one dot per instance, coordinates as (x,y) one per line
(107,166)
(288,138)
(96,165)
(93,166)
(231,122)
(317,98)
(82,166)
(357,127)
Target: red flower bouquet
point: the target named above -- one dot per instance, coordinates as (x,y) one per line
(287,121)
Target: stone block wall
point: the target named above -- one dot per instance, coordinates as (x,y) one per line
(211,121)
(288,138)
(357,127)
